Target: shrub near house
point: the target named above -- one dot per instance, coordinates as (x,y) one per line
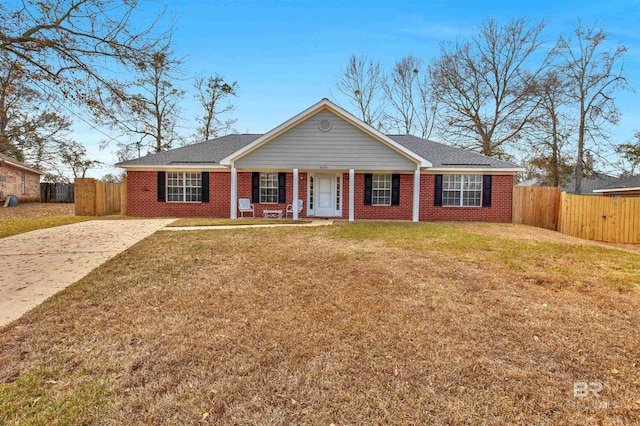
(335,163)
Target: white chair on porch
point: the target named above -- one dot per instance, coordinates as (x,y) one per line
(245,206)
(290,209)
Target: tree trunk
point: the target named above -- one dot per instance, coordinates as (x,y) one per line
(555,160)
(579,167)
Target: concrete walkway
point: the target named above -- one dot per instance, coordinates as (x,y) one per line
(271,225)
(36,265)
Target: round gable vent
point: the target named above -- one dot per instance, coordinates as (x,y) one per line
(325,125)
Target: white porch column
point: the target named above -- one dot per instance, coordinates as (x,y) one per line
(294,204)
(416,196)
(352,184)
(234,193)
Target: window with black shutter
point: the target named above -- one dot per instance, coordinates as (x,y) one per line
(486,191)
(161,186)
(395,190)
(368,186)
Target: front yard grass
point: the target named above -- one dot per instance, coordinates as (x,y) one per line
(212,221)
(366,323)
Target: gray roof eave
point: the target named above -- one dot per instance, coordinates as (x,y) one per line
(208,154)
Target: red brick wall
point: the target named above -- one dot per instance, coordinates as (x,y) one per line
(500,210)
(404,211)
(142,197)
(11,184)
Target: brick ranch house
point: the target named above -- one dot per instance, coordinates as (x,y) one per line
(628,187)
(339,167)
(16,178)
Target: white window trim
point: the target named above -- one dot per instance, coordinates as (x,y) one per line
(184,189)
(277,189)
(462,182)
(23,184)
(310,205)
(390,189)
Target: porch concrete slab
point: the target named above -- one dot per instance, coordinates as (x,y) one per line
(38,264)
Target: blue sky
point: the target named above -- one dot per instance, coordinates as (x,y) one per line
(286,55)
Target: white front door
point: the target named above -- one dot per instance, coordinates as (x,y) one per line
(325,191)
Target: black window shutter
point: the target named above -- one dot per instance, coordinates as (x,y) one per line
(395,190)
(205,187)
(161,187)
(282,188)
(255,187)
(486,191)
(368,186)
(437,199)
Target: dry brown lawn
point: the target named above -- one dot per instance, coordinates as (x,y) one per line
(351,324)
(210,221)
(35,210)
(27,217)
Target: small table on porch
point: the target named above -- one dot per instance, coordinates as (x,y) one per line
(272,214)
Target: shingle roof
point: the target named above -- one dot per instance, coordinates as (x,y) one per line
(214,150)
(446,156)
(630,182)
(589,183)
(207,152)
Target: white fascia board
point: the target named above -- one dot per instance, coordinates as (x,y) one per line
(617,189)
(175,167)
(325,104)
(474,170)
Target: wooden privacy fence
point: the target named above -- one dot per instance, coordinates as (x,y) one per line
(93,197)
(614,220)
(536,206)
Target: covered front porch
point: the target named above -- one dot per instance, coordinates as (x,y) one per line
(328,193)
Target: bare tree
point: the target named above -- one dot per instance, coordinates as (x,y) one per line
(111,178)
(410,99)
(75,44)
(550,135)
(594,73)
(401,90)
(149,113)
(213,94)
(74,156)
(427,107)
(485,86)
(31,128)
(630,154)
(362,83)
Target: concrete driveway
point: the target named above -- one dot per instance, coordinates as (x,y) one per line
(36,265)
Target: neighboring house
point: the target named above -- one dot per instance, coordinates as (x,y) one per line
(338,165)
(590,182)
(16,178)
(629,187)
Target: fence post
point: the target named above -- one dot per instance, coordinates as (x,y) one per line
(123,196)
